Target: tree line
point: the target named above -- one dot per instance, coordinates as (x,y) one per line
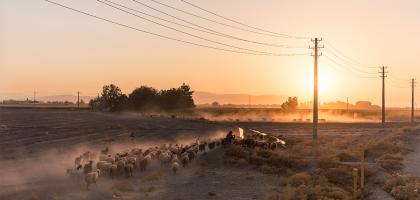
(143,98)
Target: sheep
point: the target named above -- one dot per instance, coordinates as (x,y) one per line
(212,145)
(104,157)
(164,158)
(175,158)
(88,155)
(144,162)
(185,160)
(175,167)
(202,147)
(105,151)
(72,171)
(78,161)
(110,159)
(92,178)
(88,167)
(120,165)
(104,166)
(113,172)
(132,159)
(191,154)
(129,167)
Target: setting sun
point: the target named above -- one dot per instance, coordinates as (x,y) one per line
(324,81)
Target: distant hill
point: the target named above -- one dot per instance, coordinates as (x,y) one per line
(237,99)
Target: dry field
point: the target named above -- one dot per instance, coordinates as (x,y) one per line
(38,145)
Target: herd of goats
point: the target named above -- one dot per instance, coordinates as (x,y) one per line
(124,164)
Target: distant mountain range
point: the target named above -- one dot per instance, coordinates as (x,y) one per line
(237,99)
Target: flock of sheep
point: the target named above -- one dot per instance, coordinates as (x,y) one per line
(173,157)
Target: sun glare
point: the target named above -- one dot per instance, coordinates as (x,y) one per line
(324,81)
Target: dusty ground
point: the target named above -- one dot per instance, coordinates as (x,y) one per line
(37,145)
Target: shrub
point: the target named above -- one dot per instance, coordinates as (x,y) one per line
(298,179)
(288,160)
(403,187)
(256,160)
(346,157)
(390,162)
(303,186)
(264,153)
(237,152)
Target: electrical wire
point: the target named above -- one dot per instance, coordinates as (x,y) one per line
(338,67)
(345,66)
(216,22)
(349,65)
(164,36)
(347,57)
(240,23)
(206,30)
(189,34)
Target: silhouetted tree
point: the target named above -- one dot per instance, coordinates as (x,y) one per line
(142,97)
(112,97)
(215,104)
(176,98)
(290,105)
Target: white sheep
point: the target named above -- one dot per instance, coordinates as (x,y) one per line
(175,167)
(92,178)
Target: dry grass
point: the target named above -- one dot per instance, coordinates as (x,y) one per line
(304,186)
(403,187)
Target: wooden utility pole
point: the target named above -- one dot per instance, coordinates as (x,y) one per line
(315,103)
(383,76)
(413,83)
(78,99)
(347,104)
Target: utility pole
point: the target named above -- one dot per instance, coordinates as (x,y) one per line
(78,97)
(413,84)
(347,104)
(315,103)
(383,76)
(34,97)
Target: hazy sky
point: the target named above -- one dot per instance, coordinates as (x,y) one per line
(46,48)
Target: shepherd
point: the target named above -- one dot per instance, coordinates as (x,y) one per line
(230,137)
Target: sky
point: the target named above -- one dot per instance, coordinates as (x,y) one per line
(54,51)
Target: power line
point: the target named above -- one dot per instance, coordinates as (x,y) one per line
(345,66)
(347,57)
(186,33)
(206,30)
(348,64)
(337,67)
(216,22)
(240,23)
(166,37)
